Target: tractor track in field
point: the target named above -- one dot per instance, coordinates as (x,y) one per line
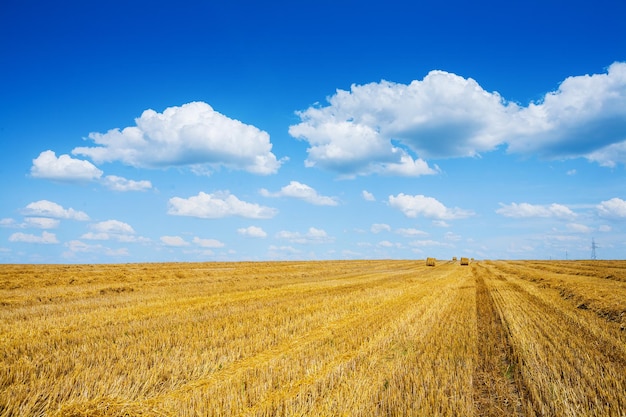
(498,388)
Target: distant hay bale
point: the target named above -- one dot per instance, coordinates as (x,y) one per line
(430,262)
(454,259)
(464,261)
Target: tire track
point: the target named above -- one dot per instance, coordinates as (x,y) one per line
(497,382)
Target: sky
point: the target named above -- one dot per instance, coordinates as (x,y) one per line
(150,131)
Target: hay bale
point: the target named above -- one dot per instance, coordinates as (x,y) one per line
(430,262)
(464,261)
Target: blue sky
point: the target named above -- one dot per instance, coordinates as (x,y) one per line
(197,131)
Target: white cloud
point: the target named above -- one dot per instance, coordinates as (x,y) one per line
(42,222)
(526,210)
(96,236)
(47,208)
(76,246)
(440,223)
(380,227)
(452,237)
(613,208)
(377,127)
(429,207)
(113,226)
(63,168)
(442,116)
(174,241)
(281,251)
(604,228)
(610,155)
(301,191)
(116,183)
(208,243)
(218,205)
(113,230)
(313,235)
(579,228)
(585,116)
(428,242)
(8,222)
(252,231)
(192,134)
(407,167)
(45,238)
(367,196)
(410,232)
(386,244)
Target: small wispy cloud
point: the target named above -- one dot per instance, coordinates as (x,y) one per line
(115,183)
(380,227)
(367,196)
(208,243)
(410,232)
(527,210)
(303,192)
(46,238)
(175,241)
(252,231)
(313,235)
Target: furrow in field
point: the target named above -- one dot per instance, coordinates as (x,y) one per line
(562,362)
(611,270)
(498,389)
(587,320)
(583,289)
(406,367)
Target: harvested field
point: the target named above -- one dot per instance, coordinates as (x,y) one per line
(350,338)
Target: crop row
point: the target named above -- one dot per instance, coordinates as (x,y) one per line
(353,338)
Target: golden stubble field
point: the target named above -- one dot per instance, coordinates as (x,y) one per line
(336,338)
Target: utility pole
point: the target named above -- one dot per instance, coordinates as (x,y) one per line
(593,249)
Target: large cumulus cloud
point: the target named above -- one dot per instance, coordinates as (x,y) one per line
(192,134)
(394,128)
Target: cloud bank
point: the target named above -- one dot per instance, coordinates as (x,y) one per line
(390,128)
